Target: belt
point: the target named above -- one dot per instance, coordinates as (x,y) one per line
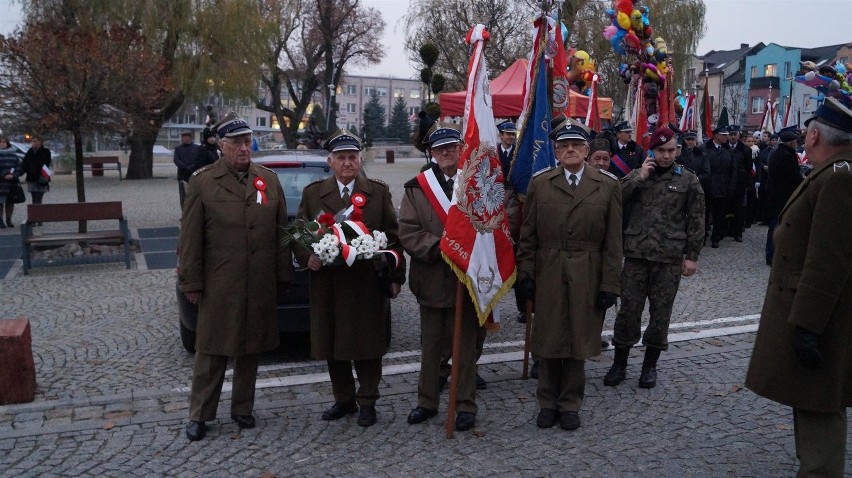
(571,245)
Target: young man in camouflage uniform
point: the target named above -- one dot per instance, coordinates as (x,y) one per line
(662,241)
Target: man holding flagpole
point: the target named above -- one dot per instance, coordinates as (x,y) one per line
(422,216)
(570,261)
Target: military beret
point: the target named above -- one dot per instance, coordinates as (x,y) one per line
(660,136)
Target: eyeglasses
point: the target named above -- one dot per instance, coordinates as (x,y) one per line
(441,150)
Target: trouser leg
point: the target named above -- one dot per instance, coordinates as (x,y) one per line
(245,378)
(472,338)
(664,283)
(549,382)
(572,385)
(720,223)
(369,376)
(208,373)
(342,381)
(37,197)
(634,291)
(434,334)
(738,211)
(820,443)
(181,192)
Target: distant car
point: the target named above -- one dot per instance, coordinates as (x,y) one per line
(295,171)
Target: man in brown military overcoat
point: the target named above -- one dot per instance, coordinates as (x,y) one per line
(803,352)
(569,260)
(232,265)
(349,305)
(662,239)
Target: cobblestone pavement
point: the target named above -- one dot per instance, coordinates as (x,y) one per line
(112,378)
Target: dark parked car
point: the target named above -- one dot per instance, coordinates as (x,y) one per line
(295,171)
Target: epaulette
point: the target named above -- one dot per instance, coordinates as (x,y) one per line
(841,166)
(264,167)
(539,173)
(315,182)
(607,173)
(201,170)
(380,182)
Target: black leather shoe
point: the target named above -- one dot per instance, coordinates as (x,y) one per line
(9,223)
(534,369)
(522,318)
(616,375)
(420,415)
(442,384)
(569,420)
(367,416)
(648,378)
(465,421)
(546,418)
(196,430)
(714,244)
(243,421)
(339,410)
(481,384)
(738,239)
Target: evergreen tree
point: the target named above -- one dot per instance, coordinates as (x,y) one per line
(399,127)
(374,121)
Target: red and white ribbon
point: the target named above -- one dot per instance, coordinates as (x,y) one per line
(348,252)
(260,185)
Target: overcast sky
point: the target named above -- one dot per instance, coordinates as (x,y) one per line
(801,23)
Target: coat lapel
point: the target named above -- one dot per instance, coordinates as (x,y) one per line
(228,180)
(331,201)
(810,177)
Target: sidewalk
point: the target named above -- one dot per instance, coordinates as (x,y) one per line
(112,378)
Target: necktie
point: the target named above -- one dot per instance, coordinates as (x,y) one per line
(572,182)
(449,190)
(345,196)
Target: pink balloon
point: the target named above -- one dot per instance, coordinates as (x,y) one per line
(610,31)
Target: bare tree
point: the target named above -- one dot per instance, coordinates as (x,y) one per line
(310,45)
(445,23)
(734,97)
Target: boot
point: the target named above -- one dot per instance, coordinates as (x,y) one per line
(618,371)
(648,378)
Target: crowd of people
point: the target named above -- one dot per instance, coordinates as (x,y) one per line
(610,220)
(34,168)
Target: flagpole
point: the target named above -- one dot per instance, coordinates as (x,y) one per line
(454,370)
(529,317)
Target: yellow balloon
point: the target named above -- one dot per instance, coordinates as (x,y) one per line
(623,20)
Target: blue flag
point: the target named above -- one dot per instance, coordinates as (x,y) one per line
(534,153)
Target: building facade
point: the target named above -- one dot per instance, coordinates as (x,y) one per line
(354,93)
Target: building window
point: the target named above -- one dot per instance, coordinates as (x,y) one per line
(788,72)
(754,72)
(382,91)
(843,59)
(415,94)
(757,105)
(770,70)
(351,89)
(370,90)
(351,107)
(351,126)
(260,121)
(399,92)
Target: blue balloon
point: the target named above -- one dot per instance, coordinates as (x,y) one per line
(565,33)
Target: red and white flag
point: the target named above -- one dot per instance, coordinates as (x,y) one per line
(46,172)
(476,242)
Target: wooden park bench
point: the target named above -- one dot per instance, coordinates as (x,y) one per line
(73,212)
(97,164)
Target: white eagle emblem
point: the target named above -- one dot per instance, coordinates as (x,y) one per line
(483,205)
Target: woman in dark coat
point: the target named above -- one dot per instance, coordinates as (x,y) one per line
(36,158)
(10,169)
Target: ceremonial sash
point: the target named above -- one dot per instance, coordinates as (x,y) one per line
(620,164)
(434,194)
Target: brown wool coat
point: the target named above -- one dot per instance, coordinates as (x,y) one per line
(230,251)
(571,244)
(810,286)
(349,308)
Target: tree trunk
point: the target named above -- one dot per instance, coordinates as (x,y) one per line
(78,174)
(141,163)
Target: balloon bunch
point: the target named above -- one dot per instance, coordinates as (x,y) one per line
(828,80)
(581,72)
(631,34)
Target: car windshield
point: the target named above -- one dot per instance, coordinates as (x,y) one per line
(294,180)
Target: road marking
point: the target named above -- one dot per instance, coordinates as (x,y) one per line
(412,367)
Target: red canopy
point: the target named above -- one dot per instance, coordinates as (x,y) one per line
(507,96)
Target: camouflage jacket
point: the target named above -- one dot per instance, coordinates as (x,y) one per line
(666,222)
